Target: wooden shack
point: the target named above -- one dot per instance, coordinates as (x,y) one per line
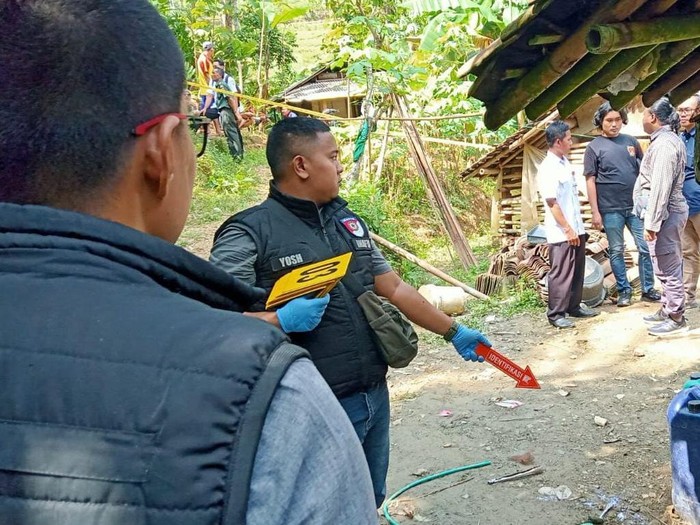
(516,206)
(325,90)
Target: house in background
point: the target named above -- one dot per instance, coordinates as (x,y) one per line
(562,58)
(325,91)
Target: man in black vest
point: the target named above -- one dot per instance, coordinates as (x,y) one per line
(132,388)
(302,221)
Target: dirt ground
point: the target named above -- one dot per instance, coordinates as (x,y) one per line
(607,367)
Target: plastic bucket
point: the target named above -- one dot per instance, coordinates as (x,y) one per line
(684,425)
(449,299)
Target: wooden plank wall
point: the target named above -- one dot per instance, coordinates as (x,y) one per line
(511,184)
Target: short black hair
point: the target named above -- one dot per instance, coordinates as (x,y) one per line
(556,131)
(603,110)
(284,140)
(666,113)
(76,78)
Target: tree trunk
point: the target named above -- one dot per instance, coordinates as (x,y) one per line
(261,53)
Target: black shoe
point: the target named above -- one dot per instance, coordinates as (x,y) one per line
(624,299)
(657,317)
(583,311)
(652,296)
(562,322)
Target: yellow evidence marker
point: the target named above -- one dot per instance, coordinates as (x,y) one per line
(318,277)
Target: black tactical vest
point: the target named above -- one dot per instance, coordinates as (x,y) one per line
(291,232)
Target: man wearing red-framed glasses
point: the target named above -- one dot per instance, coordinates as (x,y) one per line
(133,389)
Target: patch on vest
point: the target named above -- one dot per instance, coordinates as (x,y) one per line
(354,226)
(287,261)
(362,244)
(631,151)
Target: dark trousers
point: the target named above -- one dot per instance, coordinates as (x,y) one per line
(233,134)
(565,279)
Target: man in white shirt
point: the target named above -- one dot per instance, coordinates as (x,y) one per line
(566,234)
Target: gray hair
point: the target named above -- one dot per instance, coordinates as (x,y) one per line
(666,113)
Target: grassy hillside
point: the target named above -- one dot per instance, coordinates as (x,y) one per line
(309,34)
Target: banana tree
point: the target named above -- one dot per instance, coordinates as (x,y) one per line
(271,14)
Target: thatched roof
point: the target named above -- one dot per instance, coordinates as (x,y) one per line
(563,52)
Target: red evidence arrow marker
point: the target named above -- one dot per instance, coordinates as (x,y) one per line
(525,378)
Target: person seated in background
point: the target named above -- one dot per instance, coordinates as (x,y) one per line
(288,113)
(134,389)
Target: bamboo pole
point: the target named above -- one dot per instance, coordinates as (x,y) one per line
(547,71)
(607,38)
(675,78)
(619,63)
(448,142)
(382,151)
(425,169)
(584,69)
(686,89)
(671,55)
(427,266)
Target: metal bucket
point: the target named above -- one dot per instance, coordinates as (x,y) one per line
(593,287)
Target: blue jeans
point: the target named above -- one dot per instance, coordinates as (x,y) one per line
(614,223)
(369,415)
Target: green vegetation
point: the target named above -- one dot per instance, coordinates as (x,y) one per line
(224,185)
(412,49)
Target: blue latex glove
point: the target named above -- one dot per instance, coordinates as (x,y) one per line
(302,314)
(465,341)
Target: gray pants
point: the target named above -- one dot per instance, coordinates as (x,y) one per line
(667,258)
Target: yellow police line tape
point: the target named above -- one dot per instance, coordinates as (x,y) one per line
(326,116)
(264,102)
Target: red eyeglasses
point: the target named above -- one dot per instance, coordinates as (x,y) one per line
(195,123)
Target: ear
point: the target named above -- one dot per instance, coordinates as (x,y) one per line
(159,156)
(299,164)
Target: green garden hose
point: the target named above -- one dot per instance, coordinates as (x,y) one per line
(385,506)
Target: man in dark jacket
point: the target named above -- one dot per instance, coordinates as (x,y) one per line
(304,221)
(132,389)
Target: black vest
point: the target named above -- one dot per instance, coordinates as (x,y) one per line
(291,232)
(128,381)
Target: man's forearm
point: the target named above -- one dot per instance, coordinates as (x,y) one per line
(412,304)
(592,194)
(558,215)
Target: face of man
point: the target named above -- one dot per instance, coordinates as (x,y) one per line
(687,110)
(649,122)
(323,168)
(612,124)
(216,76)
(564,145)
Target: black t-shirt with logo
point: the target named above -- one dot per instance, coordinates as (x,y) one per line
(614,162)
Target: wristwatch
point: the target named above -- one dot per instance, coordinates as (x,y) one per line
(451,332)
